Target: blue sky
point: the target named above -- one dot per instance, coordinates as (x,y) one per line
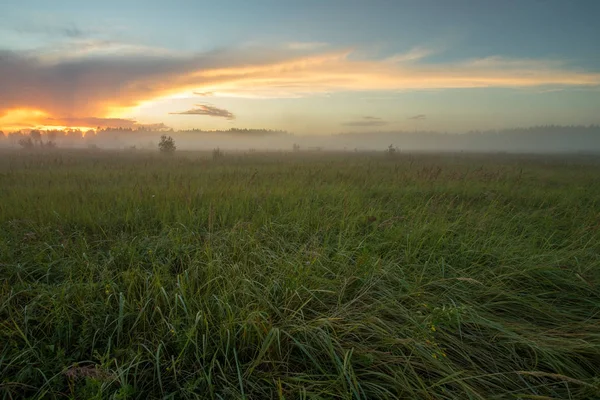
(315,66)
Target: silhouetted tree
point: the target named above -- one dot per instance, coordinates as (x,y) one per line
(26,143)
(217,153)
(167,144)
(75,133)
(36,136)
(51,142)
(14,137)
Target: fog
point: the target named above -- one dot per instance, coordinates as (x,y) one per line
(540,139)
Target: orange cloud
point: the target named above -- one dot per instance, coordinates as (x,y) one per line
(23,118)
(208,110)
(338,72)
(15,119)
(108,79)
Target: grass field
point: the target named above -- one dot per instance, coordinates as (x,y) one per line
(317,276)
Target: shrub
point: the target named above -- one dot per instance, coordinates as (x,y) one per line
(167,144)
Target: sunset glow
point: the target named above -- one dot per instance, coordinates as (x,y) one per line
(101,78)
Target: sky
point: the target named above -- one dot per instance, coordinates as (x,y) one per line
(308,67)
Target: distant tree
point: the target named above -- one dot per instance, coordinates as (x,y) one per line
(26,143)
(296,147)
(14,137)
(2,135)
(166,145)
(50,139)
(217,153)
(391,150)
(36,136)
(75,134)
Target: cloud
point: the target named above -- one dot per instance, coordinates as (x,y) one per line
(53,30)
(305,45)
(106,78)
(211,111)
(100,83)
(419,117)
(91,122)
(204,94)
(20,119)
(367,121)
(414,54)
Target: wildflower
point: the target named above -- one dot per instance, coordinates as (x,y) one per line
(434,355)
(433,328)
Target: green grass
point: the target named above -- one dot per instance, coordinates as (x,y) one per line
(349,276)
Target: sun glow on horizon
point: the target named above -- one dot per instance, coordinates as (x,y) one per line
(26,119)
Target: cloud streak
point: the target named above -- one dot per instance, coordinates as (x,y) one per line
(367,121)
(419,117)
(90,122)
(207,110)
(306,45)
(108,78)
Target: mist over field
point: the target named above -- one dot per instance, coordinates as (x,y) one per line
(542,139)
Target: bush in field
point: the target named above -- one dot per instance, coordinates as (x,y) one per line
(217,153)
(391,150)
(167,144)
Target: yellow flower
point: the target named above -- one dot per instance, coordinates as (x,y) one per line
(433,328)
(434,355)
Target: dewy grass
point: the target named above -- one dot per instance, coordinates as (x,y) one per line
(351,276)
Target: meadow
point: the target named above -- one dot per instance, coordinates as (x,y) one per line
(299,276)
